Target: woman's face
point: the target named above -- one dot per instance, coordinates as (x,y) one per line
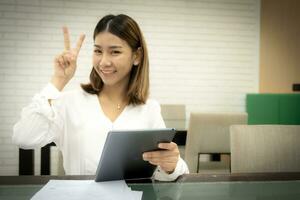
(113,59)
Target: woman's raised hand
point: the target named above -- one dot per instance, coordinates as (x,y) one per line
(65,63)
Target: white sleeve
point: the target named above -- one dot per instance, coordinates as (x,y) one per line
(40,123)
(181,167)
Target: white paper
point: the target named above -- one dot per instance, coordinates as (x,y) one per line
(86,189)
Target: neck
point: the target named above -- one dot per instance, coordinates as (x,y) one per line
(116,93)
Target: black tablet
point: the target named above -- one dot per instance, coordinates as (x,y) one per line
(122,155)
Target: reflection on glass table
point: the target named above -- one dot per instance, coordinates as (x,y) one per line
(207,187)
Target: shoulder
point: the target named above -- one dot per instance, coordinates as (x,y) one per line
(70,94)
(150,107)
(75,96)
(153,113)
(152,104)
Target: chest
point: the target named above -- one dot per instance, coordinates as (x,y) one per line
(112,112)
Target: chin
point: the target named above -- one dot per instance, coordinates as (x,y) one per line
(108,82)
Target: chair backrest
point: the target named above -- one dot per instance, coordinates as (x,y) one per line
(49,163)
(265,148)
(209,133)
(174,115)
(56,162)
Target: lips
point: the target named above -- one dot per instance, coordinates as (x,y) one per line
(108,71)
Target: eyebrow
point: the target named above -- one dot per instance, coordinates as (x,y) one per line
(110,47)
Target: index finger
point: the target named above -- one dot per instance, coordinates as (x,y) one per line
(66,38)
(168,146)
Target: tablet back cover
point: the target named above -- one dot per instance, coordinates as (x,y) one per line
(122,154)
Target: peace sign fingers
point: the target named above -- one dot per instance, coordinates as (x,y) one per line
(67,42)
(65,63)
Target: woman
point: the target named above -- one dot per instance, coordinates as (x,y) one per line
(115,98)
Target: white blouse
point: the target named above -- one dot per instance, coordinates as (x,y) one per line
(76,123)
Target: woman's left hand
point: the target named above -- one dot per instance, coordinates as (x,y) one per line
(166,158)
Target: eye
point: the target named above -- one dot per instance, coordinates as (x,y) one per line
(115,52)
(97,51)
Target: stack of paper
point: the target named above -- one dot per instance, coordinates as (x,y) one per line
(86,189)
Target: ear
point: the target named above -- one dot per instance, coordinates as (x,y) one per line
(137,56)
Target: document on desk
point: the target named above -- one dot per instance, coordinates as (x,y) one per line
(86,189)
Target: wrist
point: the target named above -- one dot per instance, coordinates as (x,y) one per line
(59,83)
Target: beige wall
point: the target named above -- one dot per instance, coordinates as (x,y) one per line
(279,45)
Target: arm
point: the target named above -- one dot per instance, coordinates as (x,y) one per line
(41,122)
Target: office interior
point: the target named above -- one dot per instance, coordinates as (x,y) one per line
(226,73)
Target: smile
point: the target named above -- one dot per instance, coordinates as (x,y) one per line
(106,71)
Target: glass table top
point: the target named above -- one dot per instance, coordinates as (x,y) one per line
(258,190)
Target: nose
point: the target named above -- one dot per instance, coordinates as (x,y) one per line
(104,61)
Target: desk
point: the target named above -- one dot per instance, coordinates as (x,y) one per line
(194,186)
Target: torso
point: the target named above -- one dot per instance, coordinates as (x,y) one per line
(88,123)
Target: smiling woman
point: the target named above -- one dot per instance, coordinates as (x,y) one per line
(116,98)
(119,43)
(113,59)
